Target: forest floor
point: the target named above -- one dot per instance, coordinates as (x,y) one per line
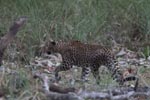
(18,83)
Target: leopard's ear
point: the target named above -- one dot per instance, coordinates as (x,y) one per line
(53,42)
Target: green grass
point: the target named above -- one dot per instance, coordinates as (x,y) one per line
(127,21)
(85,20)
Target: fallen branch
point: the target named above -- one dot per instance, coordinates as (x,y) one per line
(54,87)
(9,36)
(139,44)
(120,93)
(54,92)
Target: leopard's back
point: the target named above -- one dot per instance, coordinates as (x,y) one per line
(87,54)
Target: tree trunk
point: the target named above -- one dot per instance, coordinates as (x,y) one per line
(9,36)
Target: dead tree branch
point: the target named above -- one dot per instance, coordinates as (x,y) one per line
(9,36)
(54,92)
(120,93)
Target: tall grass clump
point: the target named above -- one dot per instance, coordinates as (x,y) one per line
(125,21)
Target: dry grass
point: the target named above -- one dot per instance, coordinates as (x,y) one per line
(85,20)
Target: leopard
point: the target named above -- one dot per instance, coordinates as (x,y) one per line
(87,56)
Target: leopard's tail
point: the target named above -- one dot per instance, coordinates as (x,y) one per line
(117,74)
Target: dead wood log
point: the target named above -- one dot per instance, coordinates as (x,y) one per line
(122,94)
(119,93)
(59,89)
(54,92)
(139,44)
(9,36)
(59,96)
(54,87)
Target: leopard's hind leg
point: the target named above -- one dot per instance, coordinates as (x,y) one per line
(85,73)
(95,72)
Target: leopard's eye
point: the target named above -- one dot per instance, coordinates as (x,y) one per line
(48,52)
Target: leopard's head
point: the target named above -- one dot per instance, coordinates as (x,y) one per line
(48,48)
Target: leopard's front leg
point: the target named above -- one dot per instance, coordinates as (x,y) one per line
(63,67)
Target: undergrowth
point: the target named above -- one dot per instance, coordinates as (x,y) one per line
(100,21)
(126,21)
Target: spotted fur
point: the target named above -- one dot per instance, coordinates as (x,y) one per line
(88,56)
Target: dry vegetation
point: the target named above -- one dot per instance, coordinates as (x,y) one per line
(119,24)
